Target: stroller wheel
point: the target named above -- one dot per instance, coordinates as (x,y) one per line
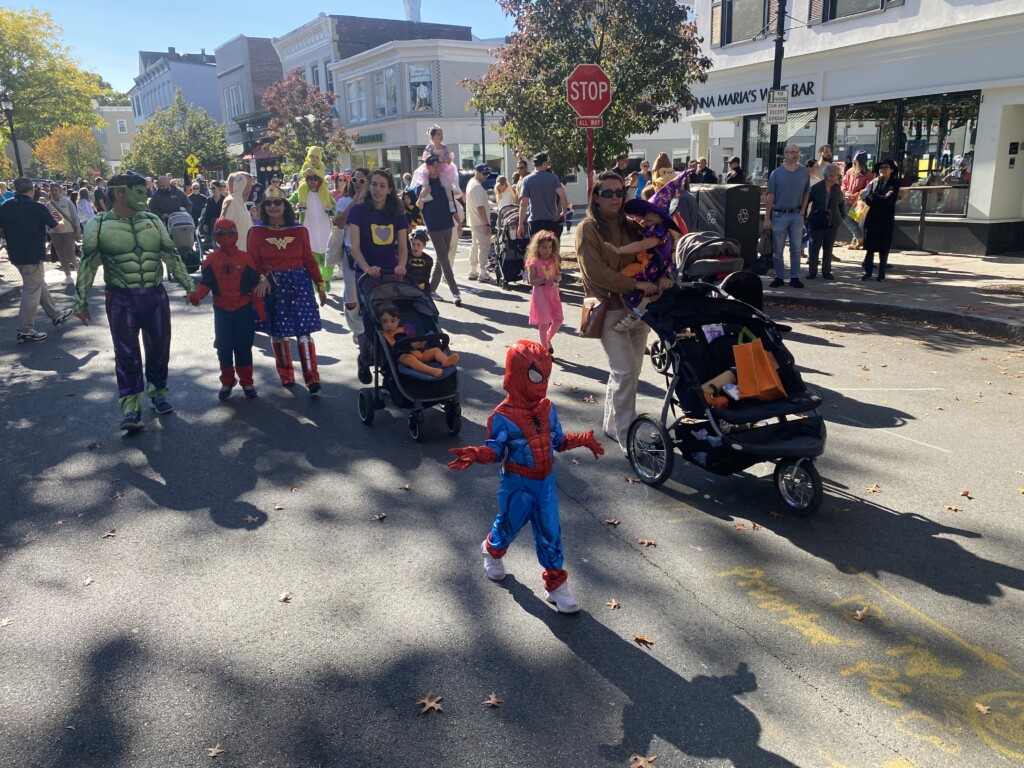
(799,485)
(453,418)
(660,357)
(366,406)
(416,425)
(650,449)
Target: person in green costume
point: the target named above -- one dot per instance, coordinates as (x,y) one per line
(316,218)
(133,246)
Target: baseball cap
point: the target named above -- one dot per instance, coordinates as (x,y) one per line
(432,160)
(484,168)
(734,159)
(540,158)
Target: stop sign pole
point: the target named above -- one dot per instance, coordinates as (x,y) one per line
(589,92)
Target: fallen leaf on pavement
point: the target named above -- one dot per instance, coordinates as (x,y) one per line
(278,507)
(755,526)
(404,487)
(611,521)
(613,604)
(6,621)
(94,446)
(966,494)
(643,640)
(575,461)
(87,582)
(639,761)
(250,519)
(111,534)
(630,479)
(646,542)
(776,514)
(574,388)
(380,518)
(874,489)
(590,399)
(951,508)
(59,522)
(740,527)
(492,701)
(214,751)
(286,597)
(982,708)
(294,488)
(430,702)
(699,549)
(862,614)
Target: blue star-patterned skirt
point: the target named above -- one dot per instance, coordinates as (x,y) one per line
(291,305)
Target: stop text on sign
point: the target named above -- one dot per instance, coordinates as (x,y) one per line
(589,91)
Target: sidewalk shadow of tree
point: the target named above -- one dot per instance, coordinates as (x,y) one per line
(700,717)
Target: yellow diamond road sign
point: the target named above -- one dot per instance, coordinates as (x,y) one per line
(192,160)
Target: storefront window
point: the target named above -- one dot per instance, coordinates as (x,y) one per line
(469,157)
(393,162)
(421,88)
(934,144)
(760,160)
(365,159)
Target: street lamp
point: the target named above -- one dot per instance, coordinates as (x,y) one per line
(7,103)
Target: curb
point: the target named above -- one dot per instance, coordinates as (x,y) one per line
(1008,330)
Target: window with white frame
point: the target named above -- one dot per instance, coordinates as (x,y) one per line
(330,77)
(315,72)
(122,126)
(355,98)
(385,93)
(125,149)
(233,106)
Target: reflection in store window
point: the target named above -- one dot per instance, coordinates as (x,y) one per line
(799,129)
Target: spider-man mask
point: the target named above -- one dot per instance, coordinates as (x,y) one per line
(225,234)
(527,369)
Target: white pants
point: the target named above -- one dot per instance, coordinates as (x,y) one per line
(353,319)
(34,294)
(479,248)
(625,351)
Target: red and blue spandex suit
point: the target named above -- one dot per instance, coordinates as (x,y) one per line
(523,434)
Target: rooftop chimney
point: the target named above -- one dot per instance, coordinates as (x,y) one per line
(171,51)
(412,11)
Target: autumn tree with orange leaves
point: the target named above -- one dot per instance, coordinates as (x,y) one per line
(648,48)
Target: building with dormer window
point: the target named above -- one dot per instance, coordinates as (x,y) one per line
(161,73)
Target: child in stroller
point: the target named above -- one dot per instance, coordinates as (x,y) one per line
(419,355)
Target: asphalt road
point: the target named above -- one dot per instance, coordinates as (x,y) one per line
(179,643)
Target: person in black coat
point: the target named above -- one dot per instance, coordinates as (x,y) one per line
(881,196)
(824,213)
(736,174)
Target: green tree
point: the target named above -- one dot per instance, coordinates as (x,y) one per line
(648,48)
(72,150)
(108,96)
(300,117)
(170,135)
(47,85)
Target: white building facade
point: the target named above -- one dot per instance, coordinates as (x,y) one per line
(937,85)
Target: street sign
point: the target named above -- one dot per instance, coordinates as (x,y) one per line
(588,90)
(778,107)
(590,122)
(192,160)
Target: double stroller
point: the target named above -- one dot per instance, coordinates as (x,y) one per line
(698,327)
(509,249)
(182,230)
(408,389)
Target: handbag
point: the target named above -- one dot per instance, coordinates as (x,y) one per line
(765,244)
(858,210)
(457,211)
(820,220)
(592,320)
(755,369)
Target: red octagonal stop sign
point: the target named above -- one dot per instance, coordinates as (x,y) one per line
(588,90)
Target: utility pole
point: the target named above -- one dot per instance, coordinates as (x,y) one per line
(771,162)
(483,139)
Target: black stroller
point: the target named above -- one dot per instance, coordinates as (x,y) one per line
(510,250)
(407,388)
(182,230)
(698,325)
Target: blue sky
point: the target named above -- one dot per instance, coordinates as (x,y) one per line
(106,35)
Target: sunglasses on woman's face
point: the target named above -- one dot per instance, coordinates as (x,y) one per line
(274,202)
(610,193)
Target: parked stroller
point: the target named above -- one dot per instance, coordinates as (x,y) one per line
(510,250)
(699,325)
(407,388)
(182,230)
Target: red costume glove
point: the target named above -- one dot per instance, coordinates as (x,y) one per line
(474,454)
(572,440)
(194,299)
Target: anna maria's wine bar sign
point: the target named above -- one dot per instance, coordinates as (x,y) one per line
(752,95)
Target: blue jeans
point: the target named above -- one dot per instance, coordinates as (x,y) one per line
(791,226)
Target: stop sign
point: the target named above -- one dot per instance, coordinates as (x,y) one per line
(588,90)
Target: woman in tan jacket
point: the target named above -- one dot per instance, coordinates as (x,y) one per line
(600,269)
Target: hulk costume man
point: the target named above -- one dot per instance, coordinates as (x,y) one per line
(133,246)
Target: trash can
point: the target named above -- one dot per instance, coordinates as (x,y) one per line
(732,211)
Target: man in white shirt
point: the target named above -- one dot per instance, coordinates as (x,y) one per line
(479,222)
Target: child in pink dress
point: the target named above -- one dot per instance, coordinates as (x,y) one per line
(542,258)
(449,173)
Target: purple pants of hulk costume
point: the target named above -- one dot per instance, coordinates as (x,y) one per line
(130,311)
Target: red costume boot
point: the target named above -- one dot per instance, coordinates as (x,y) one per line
(307,356)
(283,359)
(227,382)
(245,379)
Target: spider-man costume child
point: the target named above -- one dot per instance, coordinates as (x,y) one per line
(523,433)
(229,273)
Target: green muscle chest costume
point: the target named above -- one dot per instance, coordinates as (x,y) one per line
(133,253)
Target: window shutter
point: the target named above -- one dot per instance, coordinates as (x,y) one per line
(815,14)
(716,25)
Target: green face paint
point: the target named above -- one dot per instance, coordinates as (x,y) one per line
(136,196)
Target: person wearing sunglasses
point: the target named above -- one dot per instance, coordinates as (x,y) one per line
(281,252)
(601,272)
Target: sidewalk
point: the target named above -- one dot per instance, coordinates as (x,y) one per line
(984,294)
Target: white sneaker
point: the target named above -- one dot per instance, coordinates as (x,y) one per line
(494,567)
(626,323)
(69,280)
(31,335)
(563,600)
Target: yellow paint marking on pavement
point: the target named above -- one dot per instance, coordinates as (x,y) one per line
(994,660)
(882,681)
(922,663)
(898,762)
(926,728)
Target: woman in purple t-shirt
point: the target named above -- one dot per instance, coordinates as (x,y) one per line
(378,228)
